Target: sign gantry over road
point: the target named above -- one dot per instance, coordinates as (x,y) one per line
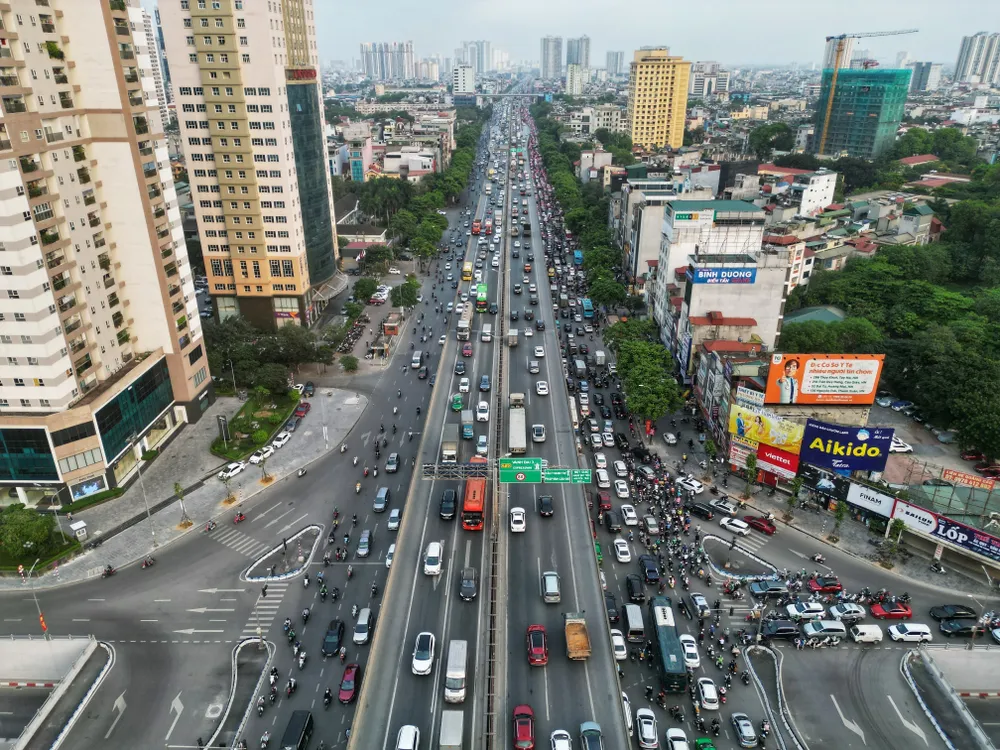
(530,471)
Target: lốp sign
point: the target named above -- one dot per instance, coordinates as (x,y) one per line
(744,275)
(946,530)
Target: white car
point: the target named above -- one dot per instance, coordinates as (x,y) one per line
(538,433)
(709,694)
(621,470)
(603,480)
(433,559)
(517,521)
(691,657)
(393,270)
(676,740)
(459,308)
(561,740)
(495,263)
(646,723)
(735,525)
(909,632)
(262,455)
(483,411)
(529,333)
(478,275)
(618,645)
(600,461)
(542,388)
(282,439)
(627,712)
(539,352)
(584,399)
(723,505)
(232,470)
(690,484)
(389,555)
(622,552)
(441,339)
(805,611)
(447,266)
(621,489)
(608,438)
(899,446)
(629,516)
(423,653)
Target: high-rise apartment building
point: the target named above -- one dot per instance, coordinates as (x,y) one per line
(708,79)
(830,52)
(251,121)
(154,64)
(551,57)
(388,61)
(867,109)
(578,51)
(463,80)
(926,76)
(102,342)
(574,79)
(657,98)
(615,63)
(979,59)
(162,53)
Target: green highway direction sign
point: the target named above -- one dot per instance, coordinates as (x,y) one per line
(521,470)
(566,476)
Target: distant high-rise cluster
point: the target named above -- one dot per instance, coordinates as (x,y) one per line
(615,63)
(707,79)
(578,51)
(979,59)
(926,76)
(388,61)
(830,54)
(551,67)
(478,55)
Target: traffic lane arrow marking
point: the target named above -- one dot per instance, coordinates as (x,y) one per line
(203,610)
(178,707)
(120,706)
(907,723)
(192,631)
(220,591)
(847,722)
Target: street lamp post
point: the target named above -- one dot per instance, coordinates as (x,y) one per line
(34,596)
(981,620)
(145,500)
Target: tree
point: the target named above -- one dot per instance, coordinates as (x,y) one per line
(839,515)
(364,288)
(405,295)
(349,363)
(607,292)
(272,376)
(630,330)
(179,494)
(25,532)
(650,395)
(750,473)
(775,136)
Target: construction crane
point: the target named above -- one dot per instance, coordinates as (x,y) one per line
(837,60)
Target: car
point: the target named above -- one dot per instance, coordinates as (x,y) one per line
(262,455)
(538,433)
(542,388)
(784,629)
(708,693)
(517,289)
(953,612)
(621,470)
(514,315)
(539,352)
(422,373)
(349,683)
(600,461)
(603,480)
(629,516)
(232,470)
(699,605)
(482,445)
(334,638)
(538,647)
(650,569)
(825,585)
(761,524)
(961,627)
(483,411)
(621,489)
(518,523)
(484,383)
(302,409)
(689,645)
(885,401)
(595,442)
(972,455)
(909,632)
(524,728)
(466,349)
(423,654)
(898,446)
(900,405)
(676,739)
(724,505)
(468,584)
(891,611)
(392,463)
(281,440)
(560,739)
(395,517)
(365,543)
(618,645)
(545,506)
(622,552)
(690,484)
(990,472)
(389,555)
(645,722)
(634,589)
(735,525)
(651,524)
(805,611)
(591,737)
(611,607)
(743,728)
(533,367)
(459,367)
(849,613)
(433,559)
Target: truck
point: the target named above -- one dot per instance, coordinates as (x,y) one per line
(512,337)
(600,358)
(577,637)
(449,445)
(526,227)
(452,728)
(497,217)
(467,425)
(580,368)
(517,440)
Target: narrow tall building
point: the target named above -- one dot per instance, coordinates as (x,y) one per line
(578,51)
(154,65)
(657,98)
(615,63)
(551,67)
(249,107)
(926,76)
(830,52)
(103,357)
(867,109)
(979,59)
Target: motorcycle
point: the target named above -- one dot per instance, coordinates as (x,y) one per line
(239,517)
(264,739)
(305,615)
(302,659)
(355,460)
(817,558)
(260,706)
(937,567)
(148,562)
(108,571)
(343,447)
(357,488)
(354,611)
(209,526)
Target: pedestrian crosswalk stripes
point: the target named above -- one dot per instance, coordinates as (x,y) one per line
(266,609)
(239,542)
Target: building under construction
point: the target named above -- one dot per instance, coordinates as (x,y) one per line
(868,106)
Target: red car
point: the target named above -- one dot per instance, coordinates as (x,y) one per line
(349,683)
(972,456)
(538,646)
(825,585)
(887,611)
(524,728)
(604,500)
(466,349)
(302,409)
(986,469)
(761,524)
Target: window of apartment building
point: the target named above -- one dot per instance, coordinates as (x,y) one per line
(207,40)
(190,41)
(250,91)
(223,57)
(245,58)
(80,460)
(287,268)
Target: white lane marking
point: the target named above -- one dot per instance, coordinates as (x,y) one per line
(847,722)
(907,723)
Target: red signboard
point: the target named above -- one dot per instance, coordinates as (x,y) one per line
(777,461)
(969,480)
(300,74)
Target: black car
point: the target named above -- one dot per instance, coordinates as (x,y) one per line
(598,398)
(612,521)
(529,314)
(765,589)
(564,313)
(953,612)
(334,638)
(701,510)
(650,569)
(621,441)
(493,308)
(616,398)
(571,385)
(460,367)
(612,606)
(513,314)
(448,505)
(422,373)
(961,627)
(539,325)
(780,629)
(545,507)
(605,412)
(467,587)
(533,299)
(634,587)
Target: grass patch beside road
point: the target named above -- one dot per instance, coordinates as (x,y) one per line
(255,425)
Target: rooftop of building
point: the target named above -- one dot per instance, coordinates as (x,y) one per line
(712,205)
(724,345)
(769,168)
(918,159)
(717,318)
(820,313)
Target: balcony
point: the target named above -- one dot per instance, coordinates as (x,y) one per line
(123,337)
(126,53)
(131,76)
(83,366)
(79,154)
(89,200)
(163,233)
(183,341)
(149,170)
(42,3)
(28,164)
(37,189)
(5,52)
(83,175)
(113,300)
(145,150)
(117,4)
(137,101)
(10,80)
(66,102)
(109,281)
(171,270)
(166,253)
(54,136)
(45,214)
(55,261)
(173,290)
(182,323)
(60,282)
(60,78)
(141,125)
(104,262)
(100,242)
(153,192)
(14,105)
(49,28)
(5,144)
(78,345)
(49,237)
(65,307)
(117,319)
(72,326)
(54,51)
(159,213)
(94,221)
(122,29)
(178,307)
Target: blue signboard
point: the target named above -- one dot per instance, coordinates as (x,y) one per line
(845,449)
(744,275)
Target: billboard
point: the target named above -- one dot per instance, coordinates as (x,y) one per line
(742,275)
(946,530)
(845,448)
(764,427)
(748,397)
(869,499)
(969,480)
(779,462)
(823,378)
(825,482)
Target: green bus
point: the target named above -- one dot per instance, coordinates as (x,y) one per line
(481,301)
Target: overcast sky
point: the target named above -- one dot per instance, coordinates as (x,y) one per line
(730,31)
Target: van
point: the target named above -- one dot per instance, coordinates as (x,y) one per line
(866,634)
(487,334)
(381,500)
(418,359)
(550,587)
(363,627)
(634,630)
(454,675)
(824,628)
(298,732)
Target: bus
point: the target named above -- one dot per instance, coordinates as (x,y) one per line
(467,271)
(474,504)
(578,257)
(488,226)
(481,301)
(475,226)
(588,308)
(464,330)
(670,656)
(573,418)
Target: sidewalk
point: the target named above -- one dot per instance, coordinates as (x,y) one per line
(187,460)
